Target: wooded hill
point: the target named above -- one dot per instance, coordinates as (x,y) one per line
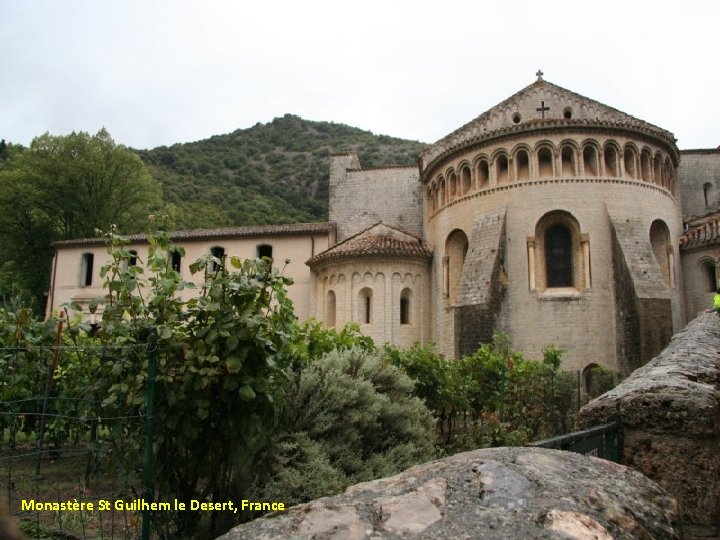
(270,173)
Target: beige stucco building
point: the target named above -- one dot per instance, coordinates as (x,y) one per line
(550,217)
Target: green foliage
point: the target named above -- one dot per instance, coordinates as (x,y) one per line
(220,354)
(313,340)
(62,188)
(347,417)
(599,380)
(492,397)
(270,173)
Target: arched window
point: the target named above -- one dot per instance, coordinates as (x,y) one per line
(522,165)
(709,275)
(452,187)
(558,256)
(405,304)
(708,195)
(660,241)
(545,165)
(611,161)
(441,193)
(86,270)
(501,169)
(657,169)
(568,161)
(646,165)
(590,160)
(483,176)
(465,180)
(456,247)
(630,162)
(365,306)
(330,309)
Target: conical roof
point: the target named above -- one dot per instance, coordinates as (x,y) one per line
(379,240)
(540,105)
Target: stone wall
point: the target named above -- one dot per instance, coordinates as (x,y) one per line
(670,411)
(492,493)
(697,168)
(360,198)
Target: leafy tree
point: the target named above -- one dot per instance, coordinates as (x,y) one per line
(66,187)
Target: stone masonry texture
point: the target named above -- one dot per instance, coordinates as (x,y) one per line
(495,493)
(670,412)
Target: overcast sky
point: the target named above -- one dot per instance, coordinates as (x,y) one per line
(161,72)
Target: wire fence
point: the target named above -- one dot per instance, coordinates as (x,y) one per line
(72,469)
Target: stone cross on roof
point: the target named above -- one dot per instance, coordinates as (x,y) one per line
(539,74)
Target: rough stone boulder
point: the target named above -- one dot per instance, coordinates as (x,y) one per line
(670,412)
(491,493)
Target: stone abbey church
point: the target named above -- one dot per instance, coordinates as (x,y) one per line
(550,217)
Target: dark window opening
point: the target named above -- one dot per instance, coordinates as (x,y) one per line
(132,261)
(711,277)
(264,250)
(368,309)
(87,269)
(175,260)
(404,311)
(558,256)
(219,253)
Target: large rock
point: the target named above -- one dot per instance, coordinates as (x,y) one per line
(670,412)
(491,493)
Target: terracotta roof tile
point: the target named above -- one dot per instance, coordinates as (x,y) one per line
(390,242)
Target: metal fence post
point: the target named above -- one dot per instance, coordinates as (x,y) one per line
(148,465)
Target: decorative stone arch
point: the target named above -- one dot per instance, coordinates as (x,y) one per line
(657,169)
(431,198)
(708,273)
(544,160)
(558,254)
(406,306)
(631,161)
(569,152)
(646,164)
(709,194)
(452,187)
(442,195)
(501,167)
(590,162)
(465,178)
(330,309)
(668,173)
(481,167)
(611,159)
(365,305)
(456,247)
(663,250)
(521,158)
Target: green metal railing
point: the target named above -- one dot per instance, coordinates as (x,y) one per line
(603,441)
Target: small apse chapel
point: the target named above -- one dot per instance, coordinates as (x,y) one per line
(550,217)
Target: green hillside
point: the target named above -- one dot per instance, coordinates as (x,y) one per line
(270,173)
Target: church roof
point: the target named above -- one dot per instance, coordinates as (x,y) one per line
(702,231)
(540,105)
(290,229)
(379,240)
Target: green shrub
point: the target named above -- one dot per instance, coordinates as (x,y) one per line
(346,417)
